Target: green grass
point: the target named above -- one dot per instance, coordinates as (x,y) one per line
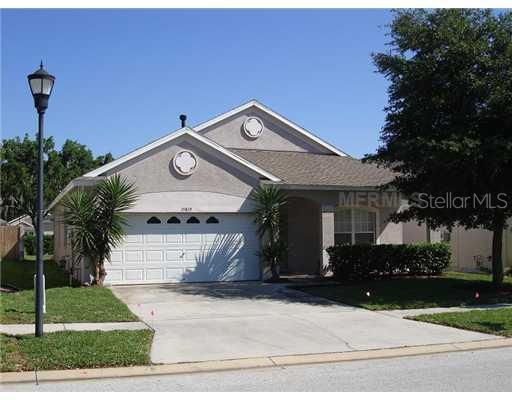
(63,303)
(496,322)
(68,350)
(450,289)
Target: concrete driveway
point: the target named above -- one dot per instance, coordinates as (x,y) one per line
(200,322)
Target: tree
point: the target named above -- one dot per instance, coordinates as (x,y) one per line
(18,175)
(448,129)
(269,202)
(18,160)
(97,221)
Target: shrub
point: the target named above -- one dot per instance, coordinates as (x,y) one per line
(358,262)
(29,243)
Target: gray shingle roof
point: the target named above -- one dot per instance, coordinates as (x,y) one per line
(297,168)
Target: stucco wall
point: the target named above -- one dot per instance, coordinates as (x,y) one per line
(417,233)
(154,173)
(59,250)
(275,136)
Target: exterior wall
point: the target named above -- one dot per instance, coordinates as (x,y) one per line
(327,229)
(153,172)
(306,256)
(275,136)
(417,233)
(59,249)
(468,245)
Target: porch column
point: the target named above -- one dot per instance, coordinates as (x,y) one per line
(327,232)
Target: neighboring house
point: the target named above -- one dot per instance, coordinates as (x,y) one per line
(193,220)
(472,248)
(25,224)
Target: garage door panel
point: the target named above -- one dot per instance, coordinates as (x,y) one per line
(202,252)
(134,274)
(154,255)
(131,238)
(114,275)
(175,238)
(154,274)
(154,238)
(116,257)
(193,238)
(133,256)
(173,255)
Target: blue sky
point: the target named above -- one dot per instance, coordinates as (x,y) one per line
(124,76)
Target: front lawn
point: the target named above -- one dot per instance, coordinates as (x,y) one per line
(496,322)
(63,303)
(68,350)
(450,289)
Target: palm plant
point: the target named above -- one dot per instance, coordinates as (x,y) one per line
(97,221)
(269,202)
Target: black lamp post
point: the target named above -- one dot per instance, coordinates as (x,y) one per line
(41,85)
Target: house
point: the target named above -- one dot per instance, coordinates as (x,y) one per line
(25,224)
(193,220)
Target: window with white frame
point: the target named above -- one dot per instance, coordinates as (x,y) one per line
(355,226)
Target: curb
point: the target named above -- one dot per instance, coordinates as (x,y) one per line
(249,363)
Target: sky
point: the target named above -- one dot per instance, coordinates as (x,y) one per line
(124,76)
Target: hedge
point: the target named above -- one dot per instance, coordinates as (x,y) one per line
(363,261)
(29,243)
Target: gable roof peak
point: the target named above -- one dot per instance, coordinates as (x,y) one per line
(172,136)
(255,103)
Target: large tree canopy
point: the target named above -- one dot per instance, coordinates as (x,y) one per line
(448,127)
(18,162)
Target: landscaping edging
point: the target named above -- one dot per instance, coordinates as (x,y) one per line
(249,363)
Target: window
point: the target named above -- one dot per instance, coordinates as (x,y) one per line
(153,220)
(343,226)
(192,220)
(354,226)
(212,220)
(173,220)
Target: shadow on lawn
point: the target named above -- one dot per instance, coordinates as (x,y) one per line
(20,274)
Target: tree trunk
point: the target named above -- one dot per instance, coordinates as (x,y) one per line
(273,270)
(497,248)
(97,274)
(103,273)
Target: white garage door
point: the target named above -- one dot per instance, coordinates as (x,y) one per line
(186,248)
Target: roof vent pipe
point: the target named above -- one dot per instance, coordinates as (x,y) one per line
(183,118)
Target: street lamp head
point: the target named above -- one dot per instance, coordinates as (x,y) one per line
(41,85)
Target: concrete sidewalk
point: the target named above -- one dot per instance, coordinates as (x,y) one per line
(248,363)
(26,329)
(439,310)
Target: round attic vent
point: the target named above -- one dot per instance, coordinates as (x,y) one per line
(253,127)
(184,162)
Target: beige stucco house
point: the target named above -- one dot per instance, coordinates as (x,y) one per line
(193,220)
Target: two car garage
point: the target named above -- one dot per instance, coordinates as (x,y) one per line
(186,247)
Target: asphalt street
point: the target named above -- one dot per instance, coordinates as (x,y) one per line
(482,370)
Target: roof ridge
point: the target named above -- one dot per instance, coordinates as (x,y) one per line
(284,151)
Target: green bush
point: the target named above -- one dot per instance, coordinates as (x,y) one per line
(362,262)
(29,243)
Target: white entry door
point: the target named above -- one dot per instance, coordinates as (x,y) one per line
(186,248)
